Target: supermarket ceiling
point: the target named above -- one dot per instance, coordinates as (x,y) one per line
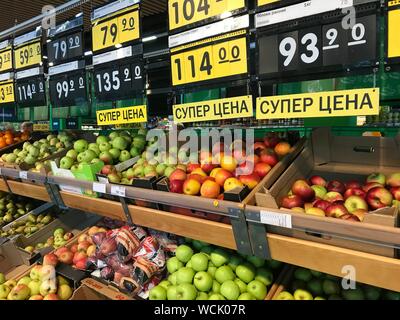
(13,12)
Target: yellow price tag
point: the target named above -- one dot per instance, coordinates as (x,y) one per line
(229,108)
(346,103)
(213,61)
(185,12)
(392,3)
(393,33)
(265,2)
(28,55)
(41,127)
(6,60)
(134,114)
(7,92)
(123,27)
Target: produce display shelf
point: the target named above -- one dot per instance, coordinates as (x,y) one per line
(371,269)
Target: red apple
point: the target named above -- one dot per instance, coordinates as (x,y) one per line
(192,166)
(222,175)
(395,191)
(81,264)
(336,186)
(354,203)
(321,204)
(336,210)
(210,189)
(262,169)
(290,202)
(259,146)
(74,248)
(318,181)
(108,169)
(50,259)
(178,174)
(66,257)
(269,157)
(379,197)
(207,165)
(83,246)
(282,149)
(245,168)
(199,171)
(253,159)
(393,180)
(197,177)
(371,185)
(176,186)
(60,251)
(353,185)
(303,189)
(271,141)
(377,177)
(79,256)
(354,192)
(333,197)
(251,180)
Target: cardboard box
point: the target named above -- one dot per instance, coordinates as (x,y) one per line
(92,289)
(12,265)
(340,158)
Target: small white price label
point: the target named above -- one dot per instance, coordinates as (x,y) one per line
(23,175)
(118,191)
(99,187)
(276,219)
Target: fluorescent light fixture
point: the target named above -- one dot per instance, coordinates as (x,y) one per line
(48,40)
(51,64)
(118,45)
(88,53)
(226,14)
(151,38)
(45,57)
(78,14)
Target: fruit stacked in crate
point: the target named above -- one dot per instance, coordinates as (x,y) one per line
(13,207)
(203,272)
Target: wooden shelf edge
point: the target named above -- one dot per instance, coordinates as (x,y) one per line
(369,268)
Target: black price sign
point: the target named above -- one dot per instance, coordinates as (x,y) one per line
(68,89)
(71,124)
(117,82)
(318,47)
(31,92)
(65,48)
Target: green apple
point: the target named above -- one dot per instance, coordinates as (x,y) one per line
(234,261)
(124,156)
(265,276)
(184,275)
(173,264)
(298,284)
(189,264)
(101,139)
(24,280)
(202,296)
(33,151)
(245,272)
(81,145)
(353,294)
(303,274)
(242,286)
(172,278)
(273,264)
(119,143)
(230,290)
(113,135)
(320,191)
(300,294)
(184,253)
(66,163)
(372,293)
(246,296)
(198,245)
(88,156)
(199,262)
(316,274)
(19,292)
(284,295)
(256,261)
(72,154)
(115,153)
(216,296)
(106,157)
(139,142)
(160,171)
(104,146)
(211,270)
(219,257)
(315,287)
(207,250)
(257,289)
(319,298)
(186,291)
(171,292)
(158,293)
(2,278)
(216,287)
(223,274)
(330,287)
(4,291)
(203,281)
(134,152)
(165,284)
(168,171)
(94,147)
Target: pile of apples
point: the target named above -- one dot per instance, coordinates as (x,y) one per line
(214,274)
(42,283)
(13,207)
(78,253)
(220,171)
(348,201)
(57,240)
(112,149)
(313,285)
